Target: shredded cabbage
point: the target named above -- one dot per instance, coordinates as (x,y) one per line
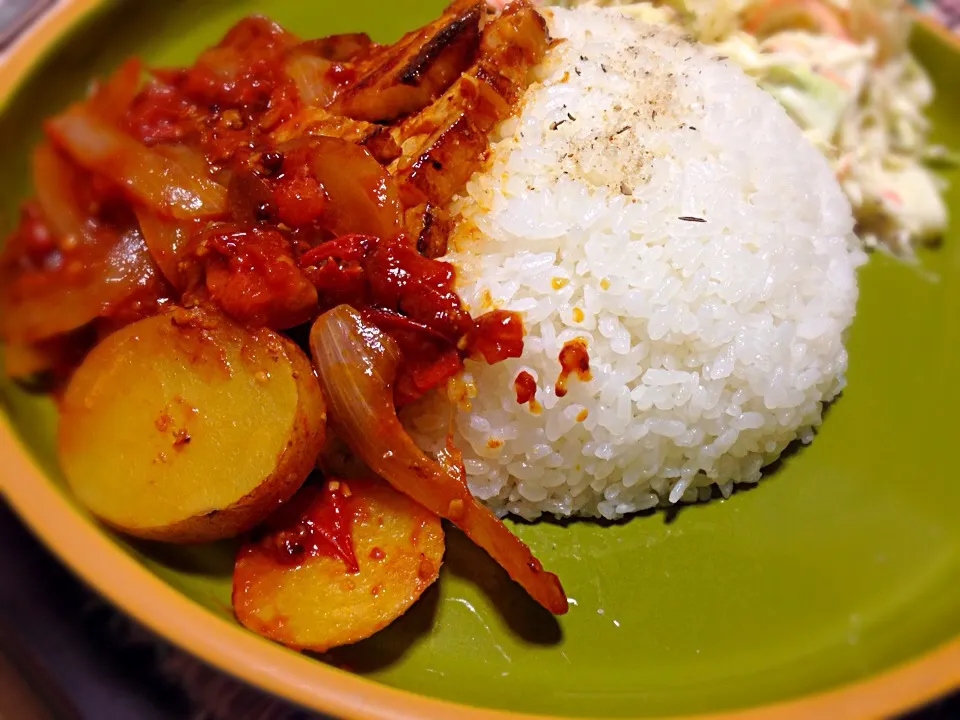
(843,71)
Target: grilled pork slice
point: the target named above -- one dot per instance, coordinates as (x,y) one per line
(430,226)
(319,122)
(406,76)
(447,142)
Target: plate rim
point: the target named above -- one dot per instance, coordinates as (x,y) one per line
(85,548)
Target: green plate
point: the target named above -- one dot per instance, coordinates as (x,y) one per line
(843,562)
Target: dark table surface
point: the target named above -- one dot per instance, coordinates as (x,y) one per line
(66,641)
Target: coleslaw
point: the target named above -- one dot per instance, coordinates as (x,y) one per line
(842,69)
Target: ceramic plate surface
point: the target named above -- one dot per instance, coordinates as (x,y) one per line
(832,588)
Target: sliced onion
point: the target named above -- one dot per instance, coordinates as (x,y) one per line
(148,176)
(39,304)
(356,364)
(97,269)
(166,239)
(111,99)
(363,196)
(55,178)
(311,76)
(190,160)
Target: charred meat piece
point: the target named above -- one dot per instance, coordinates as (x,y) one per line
(318,122)
(446,143)
(437,172)
(513,43)
(430,226)
(405,77)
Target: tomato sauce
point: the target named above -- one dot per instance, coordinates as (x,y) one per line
(310,222)
(411,298)
(574,360)
(317,522)
(496,336)
(234,93)
(251,273)
(525,387)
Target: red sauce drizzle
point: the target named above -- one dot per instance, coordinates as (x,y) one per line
(317,522)
(573,360)
(232,94)
(412,299)
(388,274)
(496,336)
(251,273)
(525,387)
(279,255)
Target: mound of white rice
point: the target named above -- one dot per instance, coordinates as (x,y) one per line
(655,203)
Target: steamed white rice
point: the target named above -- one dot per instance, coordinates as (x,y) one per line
(713,345)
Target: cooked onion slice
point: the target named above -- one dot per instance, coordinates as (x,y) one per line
(166,240)
(363,196)
(147,175)
(357,363)
(56,180)
(39,304)
(312,77)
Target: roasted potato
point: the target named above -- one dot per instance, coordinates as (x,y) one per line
(303,585)
(185,427)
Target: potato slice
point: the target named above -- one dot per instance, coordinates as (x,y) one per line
(296,588)
(185,427)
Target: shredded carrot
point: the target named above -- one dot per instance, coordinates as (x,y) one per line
(765,17)
(843,167)
(892,196)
